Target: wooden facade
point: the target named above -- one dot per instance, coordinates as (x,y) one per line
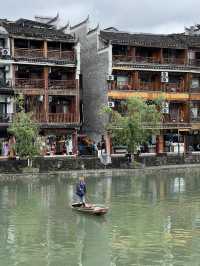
(138,63)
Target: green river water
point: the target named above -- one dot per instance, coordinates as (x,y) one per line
(152,220)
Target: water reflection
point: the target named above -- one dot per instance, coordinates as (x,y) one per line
(153,220)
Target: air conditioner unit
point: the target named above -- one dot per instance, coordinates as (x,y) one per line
(165,108)
(110,77)
(40,98)
(164,77)
(5,52)
(8,100)
(7,68)
(111,104)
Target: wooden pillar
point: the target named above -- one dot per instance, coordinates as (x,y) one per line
(160,144)
(185,57)
(45,50)
(75,142)
(161,56)
(136,82)
(46,95)
(132,52)
(188,80)
(108,143)
(12,47)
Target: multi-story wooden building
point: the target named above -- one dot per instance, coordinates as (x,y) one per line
(116,65)
(42,63)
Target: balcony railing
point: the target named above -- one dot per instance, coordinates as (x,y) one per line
(28,53)
(165,124)
(195,119)
(152,60)
(174,61)
(62,84)
(136,59)
(148,86)
(57,118)
(28,84)
(194,62)
(61,55)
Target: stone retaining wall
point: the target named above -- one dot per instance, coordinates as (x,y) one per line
(63,164)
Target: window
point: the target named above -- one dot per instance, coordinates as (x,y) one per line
(195,83)
(122,81)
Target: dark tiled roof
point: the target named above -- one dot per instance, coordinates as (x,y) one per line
(37,30)
(151,40)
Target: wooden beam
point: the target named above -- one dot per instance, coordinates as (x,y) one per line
(149,95)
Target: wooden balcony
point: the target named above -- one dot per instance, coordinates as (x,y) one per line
(136,59)
(28,53)
(194,62)
(57,118)
(151,60)
(61,55)
(174,61)
(39,55)
(62,84)
(29,84)
(169,123)
(148,86)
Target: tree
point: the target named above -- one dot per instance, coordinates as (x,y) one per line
(26,133)
(136,124)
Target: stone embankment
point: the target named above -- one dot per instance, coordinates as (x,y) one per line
(49,168)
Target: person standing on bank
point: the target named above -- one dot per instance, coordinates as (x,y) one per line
(81,190)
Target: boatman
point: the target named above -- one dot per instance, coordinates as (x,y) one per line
(81,190)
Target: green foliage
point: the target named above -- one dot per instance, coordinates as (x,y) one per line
(26,134)
(136,125)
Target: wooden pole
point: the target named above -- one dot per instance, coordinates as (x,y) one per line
(46,96)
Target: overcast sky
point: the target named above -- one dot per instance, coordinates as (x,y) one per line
(156,16)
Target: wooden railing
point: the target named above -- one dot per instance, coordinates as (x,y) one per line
(28,53)
(194,62)
(62,84)
(170,118)
(174,61)
(150,60)
(173,87)
(39,54)
(136,59)
(57,118)
(29,83)
(148,86)
(61,55)
(167,124)
(195,119)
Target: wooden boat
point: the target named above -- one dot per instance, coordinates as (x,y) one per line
(90,208)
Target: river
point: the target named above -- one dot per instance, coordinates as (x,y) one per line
(153,220)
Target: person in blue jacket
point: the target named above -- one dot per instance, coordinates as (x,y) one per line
(81,190)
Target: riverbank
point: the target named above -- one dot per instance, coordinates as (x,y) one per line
(72,163)
(162,171)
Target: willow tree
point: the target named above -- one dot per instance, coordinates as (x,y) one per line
(26,133)
(134,126)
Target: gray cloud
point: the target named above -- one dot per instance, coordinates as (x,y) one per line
(132,15)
